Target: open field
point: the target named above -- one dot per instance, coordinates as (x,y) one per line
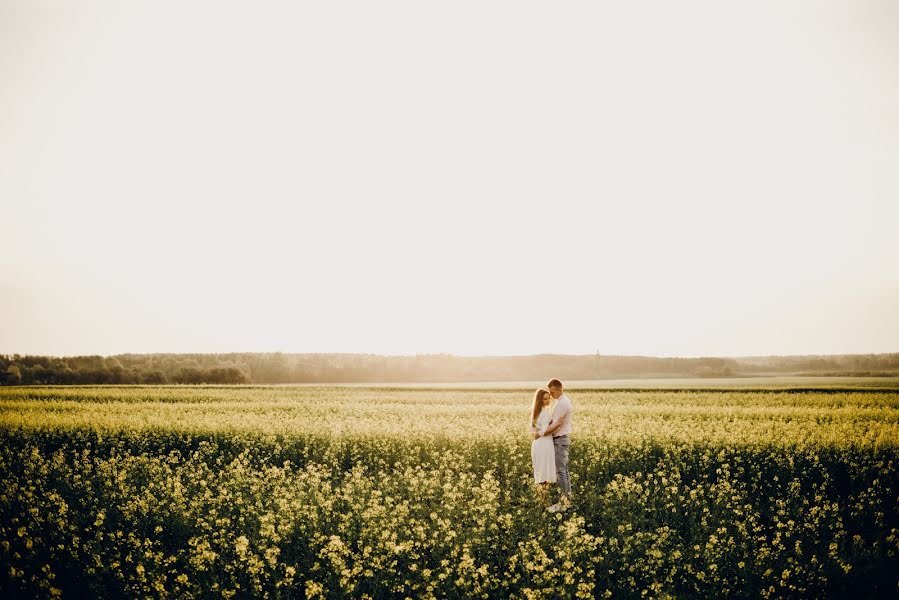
(757,488)
(775,382)
(786,383)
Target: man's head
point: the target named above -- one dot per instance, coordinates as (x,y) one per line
(555,388)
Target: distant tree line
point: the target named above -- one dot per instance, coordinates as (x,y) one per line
(277,367)
(122,369)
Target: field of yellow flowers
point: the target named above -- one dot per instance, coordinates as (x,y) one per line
(367,492)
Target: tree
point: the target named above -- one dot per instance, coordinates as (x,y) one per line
(13,375)
(153,378)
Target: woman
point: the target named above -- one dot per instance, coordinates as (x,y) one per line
(543,455)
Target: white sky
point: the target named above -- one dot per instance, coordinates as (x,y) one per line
(709,178)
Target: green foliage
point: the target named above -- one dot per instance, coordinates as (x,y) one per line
(394,493)
(278,367)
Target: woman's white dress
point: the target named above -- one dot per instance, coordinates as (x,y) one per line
(543,454)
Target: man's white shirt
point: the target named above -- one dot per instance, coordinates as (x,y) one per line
(562,412)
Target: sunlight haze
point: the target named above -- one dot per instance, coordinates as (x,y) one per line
(696,178)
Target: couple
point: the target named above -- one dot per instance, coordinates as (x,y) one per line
(550,427)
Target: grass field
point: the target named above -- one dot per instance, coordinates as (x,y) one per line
(768,488)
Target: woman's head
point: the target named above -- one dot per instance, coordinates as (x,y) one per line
(541,399)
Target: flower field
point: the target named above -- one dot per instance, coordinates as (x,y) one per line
(367,492)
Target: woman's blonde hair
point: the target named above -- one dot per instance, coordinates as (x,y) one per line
(538,405)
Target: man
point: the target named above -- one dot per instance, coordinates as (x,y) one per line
(560,428)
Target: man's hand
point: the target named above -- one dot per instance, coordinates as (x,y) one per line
(536,436)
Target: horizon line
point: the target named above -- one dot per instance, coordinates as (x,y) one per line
(450,354)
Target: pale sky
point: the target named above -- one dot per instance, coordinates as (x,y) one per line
(689,178)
